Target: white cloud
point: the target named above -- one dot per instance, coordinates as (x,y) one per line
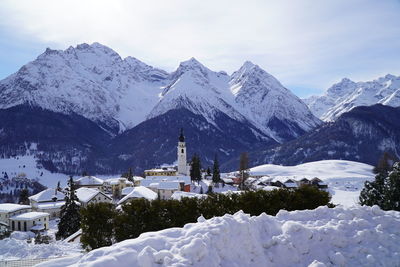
(303,43)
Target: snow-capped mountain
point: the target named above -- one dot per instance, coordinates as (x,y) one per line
(90,80)
(262,99)
(95,82)
(346,95)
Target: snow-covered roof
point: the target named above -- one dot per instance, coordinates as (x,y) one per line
(178,195)
(269,188)
(125,191)
(48,195)
(85,194)
(290,185)
(89,180)
(137,178)
(37,227)
(33,215)
(168,169)
(169,185)
(227,180)
(11,207)
(185,179)
(140,192)
(51,205)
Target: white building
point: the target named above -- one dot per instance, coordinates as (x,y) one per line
(139,192)
(89,181)
(49,200)
(114,186)
(88,196)
(183,166)
(8,210)
(30,221)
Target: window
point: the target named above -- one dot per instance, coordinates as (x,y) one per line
(182,150)
(19,226)
(25,226)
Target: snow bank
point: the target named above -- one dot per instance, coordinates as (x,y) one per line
(358,236)
(17,248)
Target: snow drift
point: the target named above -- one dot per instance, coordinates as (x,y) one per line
(357,236)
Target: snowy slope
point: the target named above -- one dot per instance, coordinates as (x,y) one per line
(27,165)
(261,98)
(345,179)
(90,80)
(361,236)
(346,95)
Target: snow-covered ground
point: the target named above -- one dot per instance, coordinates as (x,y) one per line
(27,164)
(345,178)
(17,246)
(356,236)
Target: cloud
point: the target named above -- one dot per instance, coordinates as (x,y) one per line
(303,43)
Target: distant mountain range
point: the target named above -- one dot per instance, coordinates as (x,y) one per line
(362,135)
(87,109)
(346,95)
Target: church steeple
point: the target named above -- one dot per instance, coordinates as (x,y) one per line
(182,163)
(181,137)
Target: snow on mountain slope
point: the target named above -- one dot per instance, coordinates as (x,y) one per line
(90,80)
(261,97)
(346,95)
(345,178)
(200,90)
(358,236)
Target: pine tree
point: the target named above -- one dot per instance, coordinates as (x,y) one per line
(201,190)
(70,218)
(216,176)
(209,189)
(130,175)
(208,171)
(195,171)
(24,197)
(384,191)
(243,170)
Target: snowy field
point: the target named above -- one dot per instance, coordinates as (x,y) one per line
(345,179)
(17,246)
(28,165)
(356,236)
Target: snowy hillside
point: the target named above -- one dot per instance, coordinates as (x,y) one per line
(27,166)
(345,179)
(361,236)
(346,95)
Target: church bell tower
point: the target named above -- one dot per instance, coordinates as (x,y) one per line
(182,164)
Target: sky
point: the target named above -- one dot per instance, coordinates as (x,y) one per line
(306,44)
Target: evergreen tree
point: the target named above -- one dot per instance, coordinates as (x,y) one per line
(385,163)
(128,175)
(195,171)
(243,170)
(208,171)
(24,197)
(209,189)
(70,218)
(216,176)
(201,190)
(384,191)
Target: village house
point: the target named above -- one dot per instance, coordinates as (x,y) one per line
(164,171)
(90,182)
(30,221)
(49,200)
(8,210)
(114,186)
(88,196)
(139,192)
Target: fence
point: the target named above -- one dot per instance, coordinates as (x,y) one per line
(25,262)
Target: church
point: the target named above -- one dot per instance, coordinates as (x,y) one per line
(181,169)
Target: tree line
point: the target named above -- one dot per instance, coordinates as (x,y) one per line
(103,225)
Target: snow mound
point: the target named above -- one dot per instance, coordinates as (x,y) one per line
(358,236)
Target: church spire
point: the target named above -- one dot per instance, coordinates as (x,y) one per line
(181,137)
